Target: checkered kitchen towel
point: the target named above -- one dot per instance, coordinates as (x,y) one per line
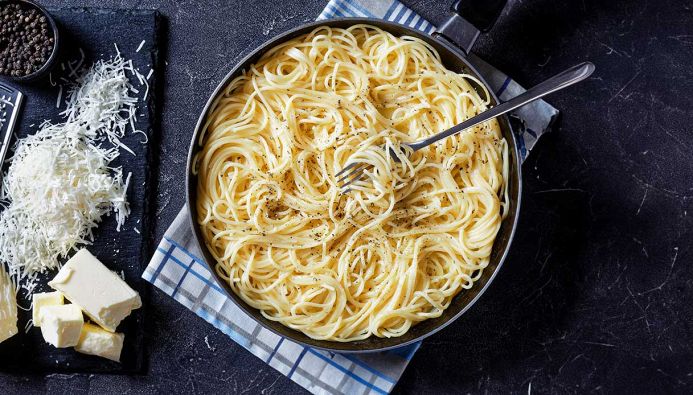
(178,269)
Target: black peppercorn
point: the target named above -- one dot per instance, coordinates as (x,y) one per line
(26,39)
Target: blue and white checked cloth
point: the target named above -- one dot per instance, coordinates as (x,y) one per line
(177,269)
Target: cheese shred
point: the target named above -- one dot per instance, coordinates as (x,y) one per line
(61,182)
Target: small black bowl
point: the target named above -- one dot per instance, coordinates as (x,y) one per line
(52,59)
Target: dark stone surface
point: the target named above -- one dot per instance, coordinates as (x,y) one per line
(596,295)
(126,252)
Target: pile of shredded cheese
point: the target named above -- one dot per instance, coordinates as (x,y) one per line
(60,183)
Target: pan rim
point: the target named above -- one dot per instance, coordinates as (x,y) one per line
(190,188)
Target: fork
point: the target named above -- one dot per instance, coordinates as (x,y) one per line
(355,172)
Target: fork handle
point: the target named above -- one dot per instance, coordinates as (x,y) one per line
(562,80)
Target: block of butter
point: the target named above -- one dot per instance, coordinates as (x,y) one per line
(8,306)
(103,296)
(61,325)
(96,341)
(42,300)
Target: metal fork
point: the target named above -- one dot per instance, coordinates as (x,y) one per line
(355,172)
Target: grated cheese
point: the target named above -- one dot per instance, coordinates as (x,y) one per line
(60,183)
(8,307)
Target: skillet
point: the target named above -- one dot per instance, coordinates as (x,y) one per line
(453,40)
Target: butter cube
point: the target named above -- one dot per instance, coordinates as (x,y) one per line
(8,328)
(96,341)
(42,300)
(61,325)
(8,307)
(103,296)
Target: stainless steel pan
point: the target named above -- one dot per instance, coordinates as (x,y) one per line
(453,40)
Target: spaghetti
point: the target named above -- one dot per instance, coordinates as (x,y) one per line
(393,251)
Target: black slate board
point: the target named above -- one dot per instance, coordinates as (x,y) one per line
(95,31)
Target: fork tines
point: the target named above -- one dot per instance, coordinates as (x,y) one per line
(350,175)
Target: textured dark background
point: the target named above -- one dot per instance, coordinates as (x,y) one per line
(596,294)
(28,350)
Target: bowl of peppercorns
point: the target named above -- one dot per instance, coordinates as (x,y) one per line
(28,41)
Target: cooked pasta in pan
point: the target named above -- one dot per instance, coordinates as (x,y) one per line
(390,253)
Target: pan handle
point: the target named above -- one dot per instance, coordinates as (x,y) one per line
(469,18)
